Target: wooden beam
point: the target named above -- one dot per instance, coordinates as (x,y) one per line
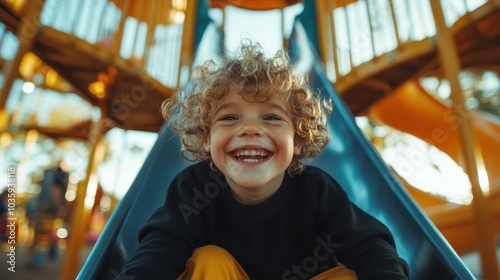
(82,210)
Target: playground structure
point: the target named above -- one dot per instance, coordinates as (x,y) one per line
(398,110)
(128,86)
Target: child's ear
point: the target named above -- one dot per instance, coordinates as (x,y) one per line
(297,148)
(207,145)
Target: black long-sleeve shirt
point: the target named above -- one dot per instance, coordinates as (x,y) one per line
(306,227)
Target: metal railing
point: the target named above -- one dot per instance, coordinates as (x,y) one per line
(147,34)
(356,32)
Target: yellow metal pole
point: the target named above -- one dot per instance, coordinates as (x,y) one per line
(372,37)
(321,22)
(187,39)
(282,22)
(151,22)
(118,36)
(333,33)
(26,35)
(140,17)
(394,22)
(82,208)
(349,35)
(450,63)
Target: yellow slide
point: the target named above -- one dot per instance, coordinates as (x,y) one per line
(411,109)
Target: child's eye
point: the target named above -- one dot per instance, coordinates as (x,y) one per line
(272,118)
(227,118)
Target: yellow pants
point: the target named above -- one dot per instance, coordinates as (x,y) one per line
(213,262)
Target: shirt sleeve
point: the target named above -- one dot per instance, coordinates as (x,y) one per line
(169,237)
(359,241)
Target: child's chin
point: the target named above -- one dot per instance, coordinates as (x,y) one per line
(245,184)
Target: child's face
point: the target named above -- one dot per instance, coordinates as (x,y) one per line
(252,143)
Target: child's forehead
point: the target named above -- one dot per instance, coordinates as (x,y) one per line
(253,97)
(234,100)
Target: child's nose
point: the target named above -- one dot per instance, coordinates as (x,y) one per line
(251,128)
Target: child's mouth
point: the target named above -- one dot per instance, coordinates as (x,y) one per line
(251,156)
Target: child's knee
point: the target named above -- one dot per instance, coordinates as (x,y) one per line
(211,254)
(213,262)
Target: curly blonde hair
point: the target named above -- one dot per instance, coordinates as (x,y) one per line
(253,77)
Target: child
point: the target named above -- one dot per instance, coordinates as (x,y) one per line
(250,209)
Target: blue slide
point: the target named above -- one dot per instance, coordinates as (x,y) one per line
(350,158)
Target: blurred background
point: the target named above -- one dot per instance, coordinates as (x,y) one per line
(82,82)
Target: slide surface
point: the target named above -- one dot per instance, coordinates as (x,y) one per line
(350,158)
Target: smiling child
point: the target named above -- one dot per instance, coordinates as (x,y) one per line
(250,209)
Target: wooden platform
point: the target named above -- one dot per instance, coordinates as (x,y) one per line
(132,99)
(477,37)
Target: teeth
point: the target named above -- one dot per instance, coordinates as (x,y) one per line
(250,153)
(250,160)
